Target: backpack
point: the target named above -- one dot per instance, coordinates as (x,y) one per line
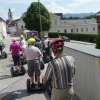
(48,43)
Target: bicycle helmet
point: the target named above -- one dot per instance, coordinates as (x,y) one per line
(13,40)
(57,44)
(31,41)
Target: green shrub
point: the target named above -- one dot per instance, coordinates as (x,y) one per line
(97,40)
(75,36)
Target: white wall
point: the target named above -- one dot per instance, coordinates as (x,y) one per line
(62,28)
(12,29)
(3,31)
(19,24)
(74,27)
(87,77)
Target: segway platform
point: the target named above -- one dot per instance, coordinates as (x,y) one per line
(14,73)
(35,89)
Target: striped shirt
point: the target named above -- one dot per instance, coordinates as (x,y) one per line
(61,71)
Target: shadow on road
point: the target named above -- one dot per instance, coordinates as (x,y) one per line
(46,95)
(23,93)
(5,77)
(10,65)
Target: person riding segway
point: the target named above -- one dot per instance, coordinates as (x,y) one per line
(18,69)
(47,56)
(3,53)
(59,73)
(32,54)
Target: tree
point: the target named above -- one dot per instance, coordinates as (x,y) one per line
(32,18)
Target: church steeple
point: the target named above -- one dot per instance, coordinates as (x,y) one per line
(10,15)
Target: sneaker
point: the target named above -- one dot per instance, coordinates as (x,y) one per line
(32,85)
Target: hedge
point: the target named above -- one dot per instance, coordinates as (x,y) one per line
(74,36)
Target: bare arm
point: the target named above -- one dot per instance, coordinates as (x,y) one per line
(44,80)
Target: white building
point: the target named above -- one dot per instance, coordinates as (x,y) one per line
(20,25)
(3,32)
(11,24)
(85,26)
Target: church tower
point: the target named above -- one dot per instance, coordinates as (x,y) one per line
(10,15)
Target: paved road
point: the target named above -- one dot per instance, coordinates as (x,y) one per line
(15,88)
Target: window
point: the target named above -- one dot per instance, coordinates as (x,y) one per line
(93,28)
(22,27)
(77,30)
(55,22)
(81,29)
(65,31)
(71,30)
(86,29)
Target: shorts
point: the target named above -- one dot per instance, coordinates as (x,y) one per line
(16,59)
(62,94)
(33,66)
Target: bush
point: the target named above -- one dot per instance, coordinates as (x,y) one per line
(97,40)
(76,36)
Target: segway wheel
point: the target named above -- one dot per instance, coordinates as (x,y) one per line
(23,70)
(43,86)
(44,59)
(4,55)
(49,88)
(12,72)
(42,65)
(28,86)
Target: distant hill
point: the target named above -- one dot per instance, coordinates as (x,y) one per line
(81,15)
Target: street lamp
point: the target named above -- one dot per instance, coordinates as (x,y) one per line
(40,18)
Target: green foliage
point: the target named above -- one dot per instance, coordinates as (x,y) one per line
(89,17)
(97,40)
(74,36)
(32,18)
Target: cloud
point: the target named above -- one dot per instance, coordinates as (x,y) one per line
(77,3)
(54,8)
(27,2)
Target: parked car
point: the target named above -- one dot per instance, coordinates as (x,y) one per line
(65,38)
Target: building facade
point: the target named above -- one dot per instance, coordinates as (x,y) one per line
(84,26)
(3,31)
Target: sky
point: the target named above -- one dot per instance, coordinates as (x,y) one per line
(18,7)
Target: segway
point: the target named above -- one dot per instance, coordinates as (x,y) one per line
(45,59)
(17,73)
(30,89)
(4,54)
(22,72)
(49,87)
